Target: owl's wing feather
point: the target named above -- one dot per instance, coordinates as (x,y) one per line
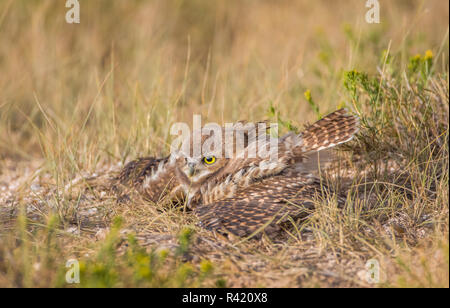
(135,171)
(336,128)
(154,178)
(263,204)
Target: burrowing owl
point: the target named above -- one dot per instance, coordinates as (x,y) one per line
(242,194)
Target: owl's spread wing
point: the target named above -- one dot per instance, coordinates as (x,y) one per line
(263,204)
(154,178)
(336,128)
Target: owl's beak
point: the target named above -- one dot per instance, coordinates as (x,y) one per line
(191,170)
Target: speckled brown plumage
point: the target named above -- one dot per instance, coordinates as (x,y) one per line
(267,203)
(336,128)
(242,195)
(138,174)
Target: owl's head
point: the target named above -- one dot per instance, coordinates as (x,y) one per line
(202,159)
(208,154)
(198,169)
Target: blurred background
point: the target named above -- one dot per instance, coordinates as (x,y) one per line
(109,88)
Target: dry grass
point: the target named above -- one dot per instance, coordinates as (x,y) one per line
(77,101)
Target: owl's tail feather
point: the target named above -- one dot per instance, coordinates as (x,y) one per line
(336,128)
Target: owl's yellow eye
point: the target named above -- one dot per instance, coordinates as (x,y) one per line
(209,160)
